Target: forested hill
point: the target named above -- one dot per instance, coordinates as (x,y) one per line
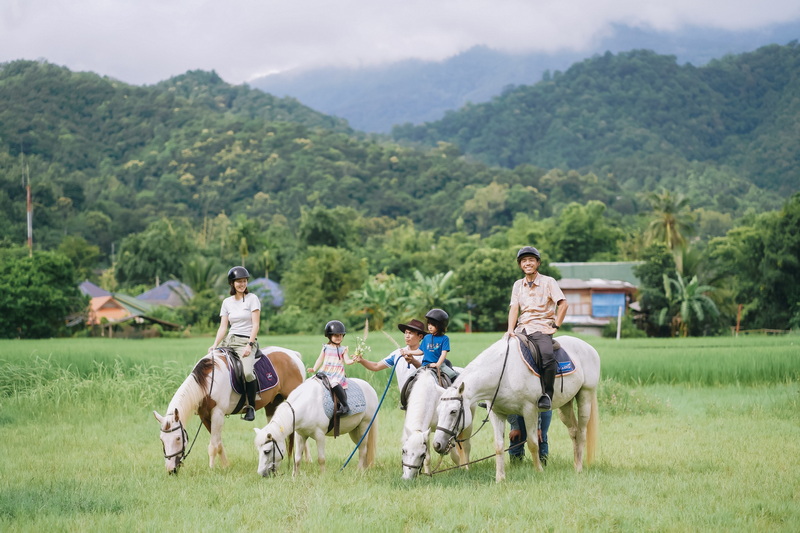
(645,119)
(105,159)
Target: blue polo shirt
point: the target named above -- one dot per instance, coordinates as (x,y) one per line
(432,348)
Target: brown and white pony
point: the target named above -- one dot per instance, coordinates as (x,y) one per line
(207,392)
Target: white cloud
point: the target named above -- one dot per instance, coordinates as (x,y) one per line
(145,41)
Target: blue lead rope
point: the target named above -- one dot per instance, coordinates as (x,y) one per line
(373,418)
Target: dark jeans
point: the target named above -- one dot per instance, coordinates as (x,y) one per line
(518,445)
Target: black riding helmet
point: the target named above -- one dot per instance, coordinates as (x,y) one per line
(439,317)
(528,250)
(334,327)
(237,272)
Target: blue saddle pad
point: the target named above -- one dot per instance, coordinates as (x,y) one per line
(355,400)
(565,364)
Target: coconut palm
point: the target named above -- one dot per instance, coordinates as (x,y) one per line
(672,221)
(689,304)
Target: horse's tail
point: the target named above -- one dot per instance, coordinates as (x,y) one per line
(372,443)
(592,430)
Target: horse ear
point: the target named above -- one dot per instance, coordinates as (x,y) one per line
(158,417)
(175,416)
(461,389)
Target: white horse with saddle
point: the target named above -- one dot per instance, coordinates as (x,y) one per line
(500,376)
(208,391)
(421,404)
(308,413)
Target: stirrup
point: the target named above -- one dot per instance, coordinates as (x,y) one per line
(249,414)
(544,402)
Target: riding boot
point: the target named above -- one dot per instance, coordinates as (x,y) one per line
(251,389)
(548,382)
(341,395)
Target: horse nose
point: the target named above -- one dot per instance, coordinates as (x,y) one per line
(437,446)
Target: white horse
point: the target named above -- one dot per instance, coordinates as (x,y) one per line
(207,392)
(303,413)
(517,392)
(420,419)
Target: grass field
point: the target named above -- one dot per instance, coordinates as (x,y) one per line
(695,434)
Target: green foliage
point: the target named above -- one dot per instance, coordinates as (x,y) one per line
(37,294)
(690,307)
(627,331)
(645,120)
(583,233)
(652,296)
(321,278)
(157,253)
(486,278)
(760,260)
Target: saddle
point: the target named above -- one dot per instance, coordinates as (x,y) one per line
(442,379)
(334,422)
(533,358)
(266,376)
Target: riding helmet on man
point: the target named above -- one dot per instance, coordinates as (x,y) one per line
(528,250)
(440,319)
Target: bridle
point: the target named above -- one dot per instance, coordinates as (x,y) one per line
(275,448)
(275,451)
(418,467)
(460,419)
(180,454)
(461,416)
(183,454)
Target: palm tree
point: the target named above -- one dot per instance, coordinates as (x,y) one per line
(689,304)
(672,221)
(434,291)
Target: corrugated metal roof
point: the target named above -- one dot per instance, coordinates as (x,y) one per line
(610,270)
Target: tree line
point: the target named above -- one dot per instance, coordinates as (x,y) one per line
(188,177)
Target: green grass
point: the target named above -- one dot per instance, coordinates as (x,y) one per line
(81,452)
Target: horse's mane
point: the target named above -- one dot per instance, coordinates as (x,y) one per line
(192,391)
(416,415)
(281,420)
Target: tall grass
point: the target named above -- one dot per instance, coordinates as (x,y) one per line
(80,450)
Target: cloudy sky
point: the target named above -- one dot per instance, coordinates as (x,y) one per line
(146,41)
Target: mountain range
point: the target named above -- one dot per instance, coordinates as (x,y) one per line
(374,99)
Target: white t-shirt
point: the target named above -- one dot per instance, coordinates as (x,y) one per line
(240,313)
(404,369)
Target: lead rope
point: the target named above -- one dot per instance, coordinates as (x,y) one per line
(491,404)
(389,382)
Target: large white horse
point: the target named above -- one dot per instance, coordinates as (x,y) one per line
(304,414)
(420,419)
(500,374)
(207,392)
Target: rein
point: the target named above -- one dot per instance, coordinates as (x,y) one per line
(275,443)
(388,382)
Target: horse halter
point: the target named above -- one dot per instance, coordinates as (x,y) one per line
(184,438)
(418,467)
(460,419)
(273,468)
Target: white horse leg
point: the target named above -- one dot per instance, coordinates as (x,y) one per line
(300,444)
(567,415)
(584,399)
(215,446)
(319,438)
(532,421)
(499,426)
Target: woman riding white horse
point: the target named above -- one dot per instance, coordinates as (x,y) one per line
(207,391)
(500,376)
(304,414)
